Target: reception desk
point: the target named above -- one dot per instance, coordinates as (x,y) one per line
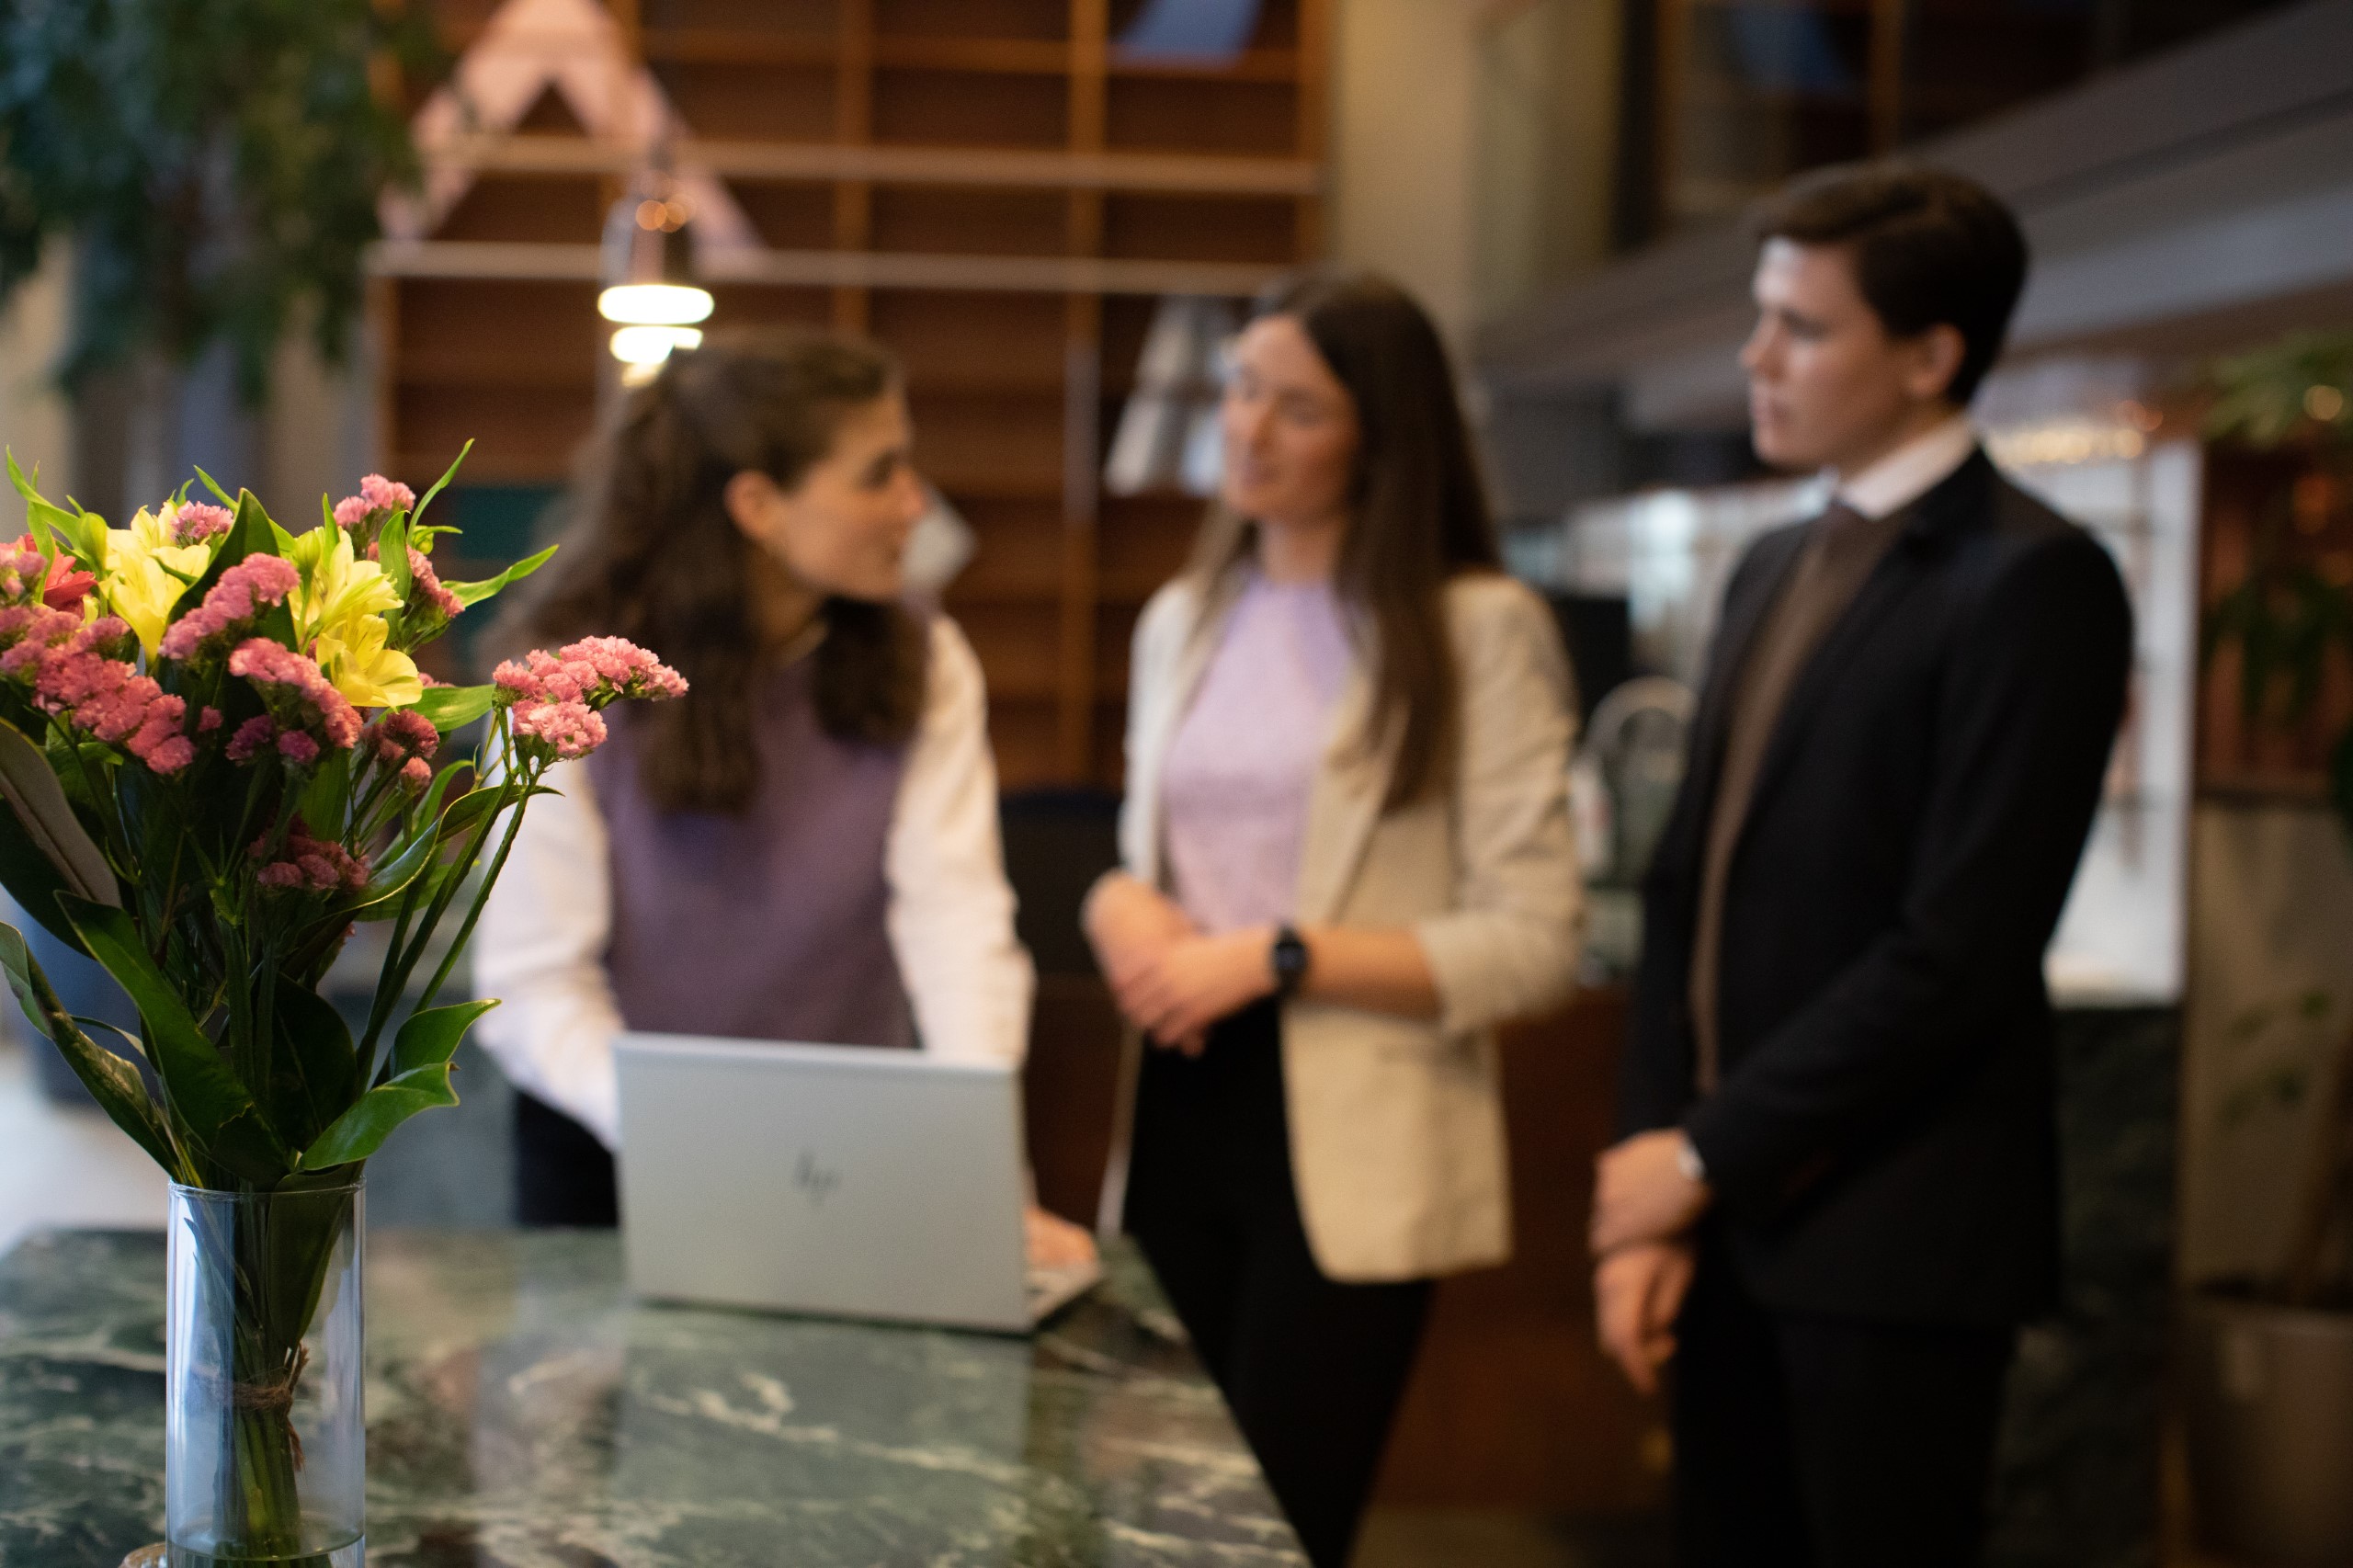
(524,1412)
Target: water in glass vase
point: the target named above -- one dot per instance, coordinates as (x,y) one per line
(265,1444)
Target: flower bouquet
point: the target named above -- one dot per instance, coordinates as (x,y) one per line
(219,756)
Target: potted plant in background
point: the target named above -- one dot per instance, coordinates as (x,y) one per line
(216,166)
(209,172)
(218,756)
(2267,1365)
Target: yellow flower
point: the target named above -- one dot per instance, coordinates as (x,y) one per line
(368,672)
(143,573)
(336,585)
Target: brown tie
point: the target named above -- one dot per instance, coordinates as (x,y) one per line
(1842,546)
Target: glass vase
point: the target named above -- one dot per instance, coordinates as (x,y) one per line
(265,1449)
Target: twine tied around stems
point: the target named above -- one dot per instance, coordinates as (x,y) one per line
(274,1396)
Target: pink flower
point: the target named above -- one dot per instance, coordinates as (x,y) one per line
(252,736)
(74,674)
(309,865)
(386,494)
(234,603)
(595,670)
(199,520)
(627,667)
(298,748)
(563,729)
(208,720)
(378,497)
(401,734)
(21,566)
(28,632)
(296,691)
(166,756)
(554,697)
(416,774)
(25,575)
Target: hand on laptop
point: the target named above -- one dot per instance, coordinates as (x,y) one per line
(1053,1242)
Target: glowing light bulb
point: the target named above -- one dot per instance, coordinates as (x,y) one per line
(654,304)
(643,348)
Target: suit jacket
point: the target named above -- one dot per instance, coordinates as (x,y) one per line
(1884,1140)
(1396,1125)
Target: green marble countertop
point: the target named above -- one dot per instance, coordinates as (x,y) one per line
(524,1412)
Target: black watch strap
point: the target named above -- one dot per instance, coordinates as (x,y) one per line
(1288,958)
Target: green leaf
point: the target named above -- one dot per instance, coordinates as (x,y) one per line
(441,484)
(420,1079)
(316,1071)
(326,798)
(469,809)
(391,554)
(112,1082)
(209,1099)
(389,878)
(52,525)
(213,485)
(471,594)
(448,708)
(32,880)
(38,802)
(429,810)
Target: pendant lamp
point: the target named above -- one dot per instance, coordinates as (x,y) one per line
(650,292)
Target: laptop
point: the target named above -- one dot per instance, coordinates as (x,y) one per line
(842,1181)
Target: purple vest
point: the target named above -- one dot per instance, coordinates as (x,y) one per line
(768,926)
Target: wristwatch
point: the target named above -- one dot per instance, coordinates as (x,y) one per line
(1288,958)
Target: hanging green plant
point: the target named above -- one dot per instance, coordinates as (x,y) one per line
(2297,392)
(218,162)
(2290,614)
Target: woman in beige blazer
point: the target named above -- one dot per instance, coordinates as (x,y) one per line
(1346,858)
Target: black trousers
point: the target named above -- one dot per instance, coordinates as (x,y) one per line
(1312,1370)
(1817,1442)
(562,1175)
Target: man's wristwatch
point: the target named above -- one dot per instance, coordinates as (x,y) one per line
(1288,958)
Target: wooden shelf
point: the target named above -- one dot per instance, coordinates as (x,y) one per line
(442,369)
(1008,56)
(993,192)
(958,486)
(716,46)
(550,261)
(816,159)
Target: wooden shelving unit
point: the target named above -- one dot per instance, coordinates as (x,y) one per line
(982,186)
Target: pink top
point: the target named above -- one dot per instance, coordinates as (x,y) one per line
(1242,763)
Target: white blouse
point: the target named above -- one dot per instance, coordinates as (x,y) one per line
(541,943)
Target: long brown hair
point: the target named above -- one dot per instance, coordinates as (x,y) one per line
(1418,512)
(652,555)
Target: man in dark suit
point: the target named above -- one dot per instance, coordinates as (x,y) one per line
(1835,1196)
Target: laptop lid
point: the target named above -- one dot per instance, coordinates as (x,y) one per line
(832,1179)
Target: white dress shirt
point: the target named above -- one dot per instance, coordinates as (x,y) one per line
(541,944)
(1911,471)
